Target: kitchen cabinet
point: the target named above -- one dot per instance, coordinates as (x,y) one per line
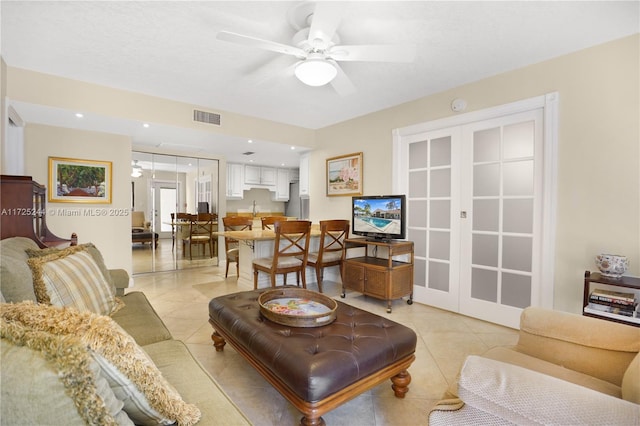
(258,175)
(282,185)
(235,181)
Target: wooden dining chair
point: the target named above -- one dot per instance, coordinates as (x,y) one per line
(330,251)
(269,221)
(180,233)
(231,245)
(290,251)
(200,232)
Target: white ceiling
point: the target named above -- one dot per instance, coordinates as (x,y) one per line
(169,49)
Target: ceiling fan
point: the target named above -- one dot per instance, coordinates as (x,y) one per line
(317,46)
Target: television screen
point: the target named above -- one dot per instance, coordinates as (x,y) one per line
(379,217)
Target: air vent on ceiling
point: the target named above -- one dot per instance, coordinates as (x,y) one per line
(248,153)
(206,117)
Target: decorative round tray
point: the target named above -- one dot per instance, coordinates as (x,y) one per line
(297,307)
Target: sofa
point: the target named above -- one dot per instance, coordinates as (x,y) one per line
(565,369)
(63,364)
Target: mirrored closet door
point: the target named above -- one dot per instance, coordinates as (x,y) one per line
(167,194)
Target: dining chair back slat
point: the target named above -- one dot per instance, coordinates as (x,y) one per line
(231,245)
(331,248)
(268,222)
(290,250)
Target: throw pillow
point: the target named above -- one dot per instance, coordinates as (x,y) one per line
(150,398)
(71,277)
(90,247)
(71,362)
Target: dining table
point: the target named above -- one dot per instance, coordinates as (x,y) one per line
(259,243)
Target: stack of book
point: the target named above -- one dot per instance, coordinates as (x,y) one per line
(614,302)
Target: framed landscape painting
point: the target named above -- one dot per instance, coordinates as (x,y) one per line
(344,175)
(79,181)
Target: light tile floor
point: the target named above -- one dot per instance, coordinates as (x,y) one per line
(444,340)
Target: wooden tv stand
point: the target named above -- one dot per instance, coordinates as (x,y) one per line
(381,277)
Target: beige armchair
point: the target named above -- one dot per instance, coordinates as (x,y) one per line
(138,222)
(565,369)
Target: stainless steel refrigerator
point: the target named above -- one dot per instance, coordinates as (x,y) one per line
(296,206)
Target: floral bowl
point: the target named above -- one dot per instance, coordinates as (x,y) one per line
(612,265)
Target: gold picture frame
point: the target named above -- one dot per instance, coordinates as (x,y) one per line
(344,175)
(73,180)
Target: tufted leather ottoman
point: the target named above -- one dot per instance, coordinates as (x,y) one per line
(316,369)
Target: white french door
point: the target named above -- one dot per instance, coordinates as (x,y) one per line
(165,202)
(433,194)
(501,193)
(478,198)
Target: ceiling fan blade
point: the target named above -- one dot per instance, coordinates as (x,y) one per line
(260,43)
(324,23)
(375,53)
(272,71)
(342,83)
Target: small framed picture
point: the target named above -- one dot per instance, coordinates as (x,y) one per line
(344,175)
(79,181)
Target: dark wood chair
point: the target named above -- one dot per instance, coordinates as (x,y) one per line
(179,230)
(290,251)
(269,221)
(200,232)
(330,251)
(234,223)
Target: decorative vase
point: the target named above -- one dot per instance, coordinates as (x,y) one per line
(612,265)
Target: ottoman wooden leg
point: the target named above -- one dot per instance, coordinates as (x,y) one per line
(401,383)
(315,421)
(218,341)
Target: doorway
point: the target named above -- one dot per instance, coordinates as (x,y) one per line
(480,190)
(165,195)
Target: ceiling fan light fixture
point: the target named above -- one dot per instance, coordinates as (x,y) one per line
(315,71)
(136,170)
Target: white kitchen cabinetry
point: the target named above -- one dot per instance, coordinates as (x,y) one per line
(252,175)
(243,177)
(257,175)
(235,180)
(282,185)
(268,176)
(304,176)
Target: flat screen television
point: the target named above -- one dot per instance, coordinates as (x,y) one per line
(379,217)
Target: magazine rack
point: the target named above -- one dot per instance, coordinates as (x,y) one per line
(591,281)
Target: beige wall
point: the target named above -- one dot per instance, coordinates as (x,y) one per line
(43,89)
(3,113)
(110,233)
(263,200)
(598,205)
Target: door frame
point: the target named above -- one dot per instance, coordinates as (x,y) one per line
(549,104)
(155,185)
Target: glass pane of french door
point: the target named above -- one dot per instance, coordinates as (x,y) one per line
(501,194)
(432,202)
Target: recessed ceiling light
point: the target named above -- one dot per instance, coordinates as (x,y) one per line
(293,147)
(79,115)
(250,141)
(146,125)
